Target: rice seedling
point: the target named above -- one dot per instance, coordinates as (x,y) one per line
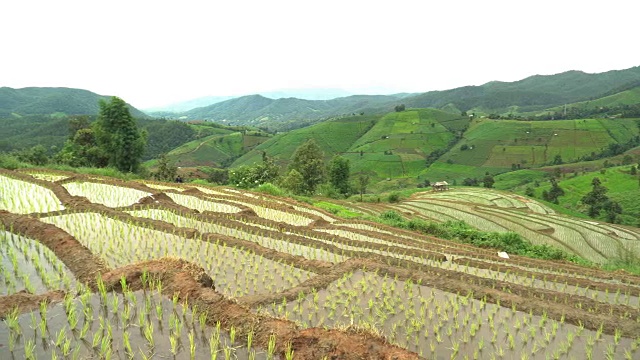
(110,338)
(108,195)
(22,197)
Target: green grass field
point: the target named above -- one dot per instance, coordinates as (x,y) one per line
(623,188)
(398,144)
(627,97)
(214,150)
(496,146)
(333,137)
(389,146)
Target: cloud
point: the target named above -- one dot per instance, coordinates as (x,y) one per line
(153,52)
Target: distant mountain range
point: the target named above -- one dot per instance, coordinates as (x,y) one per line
(307,94)
(534,93)
(279,111)
(257,110)
(48,101)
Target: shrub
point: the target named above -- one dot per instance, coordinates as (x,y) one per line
(269,188)
(394,198)
(11,162)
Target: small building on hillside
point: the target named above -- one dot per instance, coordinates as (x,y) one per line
(440,186)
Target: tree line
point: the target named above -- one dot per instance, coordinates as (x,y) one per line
(575,112)
(307,174)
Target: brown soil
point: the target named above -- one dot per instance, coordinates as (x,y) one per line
(191,283)
(26,302)
(330,273)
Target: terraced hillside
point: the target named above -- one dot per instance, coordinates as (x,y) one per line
(398,143)
(216,150)
(497,146)
(147,268)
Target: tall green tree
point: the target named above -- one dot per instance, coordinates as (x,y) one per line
(339,174)
(598,201)
(308,160)
(488,181)
(363,182)
(81,149)
(166,170)
(293,182)
(118,135)
(252,176)
(553,193)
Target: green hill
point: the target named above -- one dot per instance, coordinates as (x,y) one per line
(284,113)
(497,146)
(333,137)
(614,101)
(534,93)
(47,101)
(429,144)
(51,132)
(622,186)
(627,97)
(216,150)
(400,142)
(28,131)
(385,146)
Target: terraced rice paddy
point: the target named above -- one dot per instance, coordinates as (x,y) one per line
(167,271)
(495,211)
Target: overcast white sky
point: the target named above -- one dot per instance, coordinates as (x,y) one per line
(153,53)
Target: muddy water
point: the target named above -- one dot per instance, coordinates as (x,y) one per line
(193,202)
(235,272)
(108,195)
(26,264)
(441,325)
(254,235)
(21,197)
(105,315)
(538,282)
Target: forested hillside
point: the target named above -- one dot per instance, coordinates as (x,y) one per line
(285,113)
(51,132)
(532,94)
(51,101)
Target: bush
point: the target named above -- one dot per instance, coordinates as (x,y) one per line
(200,182)
(391,216)
(337,210)
(11,162)
(460,231)
(394,198)
(328,190)
(269,188)
(218,176)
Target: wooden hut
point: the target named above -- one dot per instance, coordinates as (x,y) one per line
(440,186)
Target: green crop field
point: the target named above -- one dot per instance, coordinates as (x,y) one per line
(333,137)
(418,130)
(497,146)
(214,150)
(190,275)
(513,179)
(440,171)
(622,187)
(389,146)
(627,97)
